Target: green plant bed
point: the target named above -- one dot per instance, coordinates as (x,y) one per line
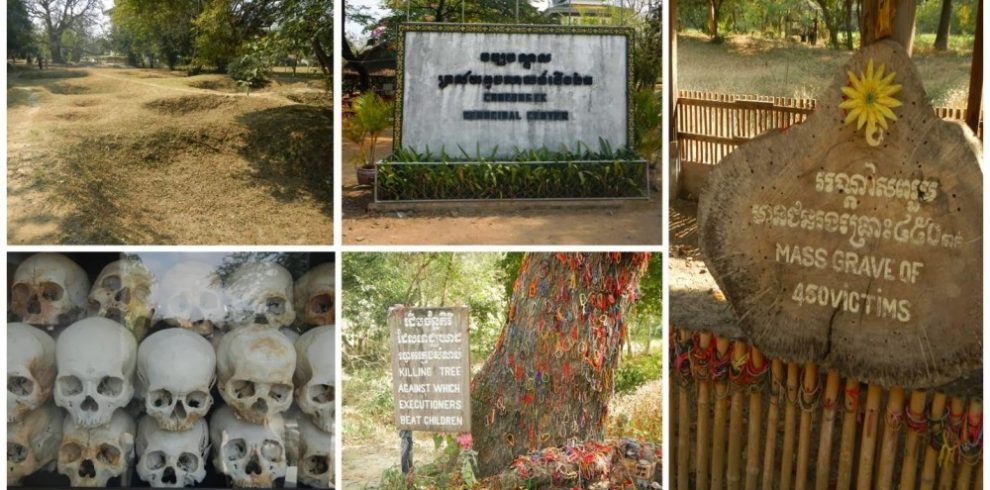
(438,181)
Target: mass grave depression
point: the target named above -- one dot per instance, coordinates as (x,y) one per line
(431,368)
(509,96)
(859,252)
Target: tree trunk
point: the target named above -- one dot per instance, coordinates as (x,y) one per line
(944,22)
(713,7)
(849,20)
(55,46)
(549,379)
(321,56)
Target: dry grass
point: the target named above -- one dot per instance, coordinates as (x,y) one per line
(746,64)
(636,414)
(140,156)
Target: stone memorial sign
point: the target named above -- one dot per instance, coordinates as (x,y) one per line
(855,239)
(483,87)
(431,369)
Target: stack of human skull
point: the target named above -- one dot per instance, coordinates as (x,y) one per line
(119,376)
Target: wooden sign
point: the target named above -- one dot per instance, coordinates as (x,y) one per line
(854,240)
(431,368)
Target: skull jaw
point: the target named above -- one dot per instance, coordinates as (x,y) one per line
(48,318)
(17,409)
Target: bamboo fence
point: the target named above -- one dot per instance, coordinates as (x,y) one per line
(741,421)
(711,125)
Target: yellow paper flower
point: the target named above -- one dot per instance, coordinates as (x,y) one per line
(870,100)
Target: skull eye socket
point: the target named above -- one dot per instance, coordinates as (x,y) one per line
(321,304)
(316,465)
(69,452)
(242,388)
(20,293)
(19,385)
(271,450)
(280,392)
(321,393)
(112,282)
(154,460)
(69,385)
(188,462)
(197,399)
(16,453)
(275,306)
(235,449)
(140,292)
(110,386)
(160,398)
(109,454)
(51,291)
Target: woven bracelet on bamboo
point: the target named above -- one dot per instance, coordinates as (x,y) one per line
(852,399)
(808,400)
(915,422)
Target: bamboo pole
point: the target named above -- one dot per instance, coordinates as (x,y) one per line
(829,399)
(978,481)
(808,394)
(733,477)
(931,453)
(753,438)
(915,418)
(956,414)
(773,415)
(868,443)
(966,468)
(891,431)
(847,445)
(790,414)
(704,399)
(684,431)
(720,388)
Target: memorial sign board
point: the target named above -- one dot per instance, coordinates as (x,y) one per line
(485,88)
(431,369)
(854,240)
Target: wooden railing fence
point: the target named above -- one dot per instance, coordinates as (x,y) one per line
(711,125)
(742,421)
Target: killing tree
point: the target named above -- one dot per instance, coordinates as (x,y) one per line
(550,377)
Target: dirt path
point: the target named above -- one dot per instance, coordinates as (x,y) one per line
(635,223)
(102,155)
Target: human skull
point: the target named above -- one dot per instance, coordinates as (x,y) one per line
(33,442)
(90,457)
(96,361)
(314,295)
(260,293)
(314,376)
(175,370)
(172,459)
(49,289)
(316,455)
(190,296)
(122,292)
(30,369)
(252,456)
(255,367)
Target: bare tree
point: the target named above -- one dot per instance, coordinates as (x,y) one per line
(58,16)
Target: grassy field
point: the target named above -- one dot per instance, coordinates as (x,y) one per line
(745,64)
(107,155)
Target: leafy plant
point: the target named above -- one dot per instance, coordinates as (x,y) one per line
(250,70)
(372,115)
